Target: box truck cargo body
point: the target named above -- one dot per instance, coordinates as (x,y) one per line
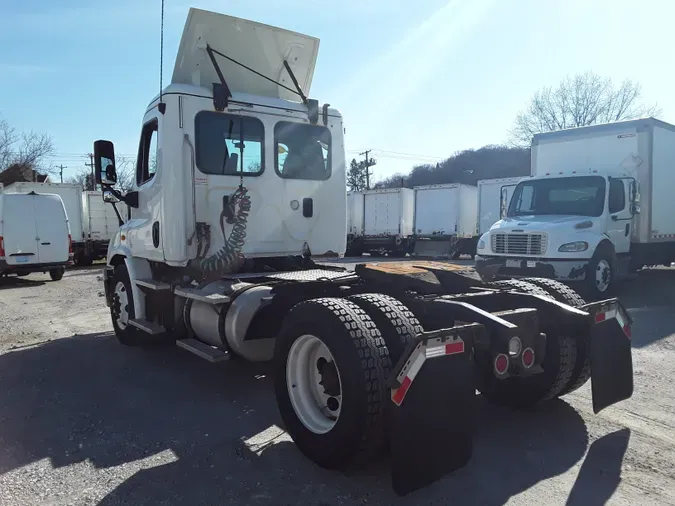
(445,220)
(494,196)
(100,223)
(597,207)
(388,220)
(355,223)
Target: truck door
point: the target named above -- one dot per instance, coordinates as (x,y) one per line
(620,219)
(51,228)
(144,232)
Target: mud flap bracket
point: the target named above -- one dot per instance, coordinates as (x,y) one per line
(432,408)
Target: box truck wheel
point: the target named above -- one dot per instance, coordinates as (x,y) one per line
(395,321)
(600,275)
(565,294)
(331,365)
(57,274)
(522,392)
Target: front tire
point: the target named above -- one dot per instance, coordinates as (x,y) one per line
(601,275)
(331,365)
(57,274)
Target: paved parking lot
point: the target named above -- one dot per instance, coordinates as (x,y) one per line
(84,420)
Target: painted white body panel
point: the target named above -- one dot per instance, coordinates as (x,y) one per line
(34,229)
(494,196)
(71,195)
(355,216)
(445,210)
(389,212)
(99,219)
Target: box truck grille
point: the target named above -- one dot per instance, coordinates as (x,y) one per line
(519,244)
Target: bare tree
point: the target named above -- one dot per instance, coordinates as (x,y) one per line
(580,100)
(24,148)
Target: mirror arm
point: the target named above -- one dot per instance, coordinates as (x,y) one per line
(119,216)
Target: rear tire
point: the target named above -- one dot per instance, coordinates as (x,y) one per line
(395,321)
(523,392)
(362,361)
(582,366)
(57,274)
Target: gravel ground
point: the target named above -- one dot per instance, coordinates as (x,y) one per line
(84,421)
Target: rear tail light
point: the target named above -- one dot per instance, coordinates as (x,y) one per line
(528,358)
(70,245)
(2,248)
(501,364)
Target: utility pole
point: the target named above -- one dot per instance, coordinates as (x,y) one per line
(61,167)
(369,163)
(91,166)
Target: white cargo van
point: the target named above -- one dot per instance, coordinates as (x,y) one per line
(34,235)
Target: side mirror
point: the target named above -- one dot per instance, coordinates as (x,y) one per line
(104,163)
(109,197)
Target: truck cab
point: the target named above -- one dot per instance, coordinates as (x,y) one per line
(571,226)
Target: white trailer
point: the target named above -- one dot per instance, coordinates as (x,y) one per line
(71,195)
(355,223)
(597,207)
(100,223)
(445,220)
(494,196)
(240,184)
(389,215)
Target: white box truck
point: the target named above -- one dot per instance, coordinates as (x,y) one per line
(355,223)
(494,196)
(445,220)
(389,215)
(100,224)
(598,207)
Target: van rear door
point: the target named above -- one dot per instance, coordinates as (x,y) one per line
(18,218)
(52,229)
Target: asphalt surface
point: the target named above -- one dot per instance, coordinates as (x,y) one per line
(84,420)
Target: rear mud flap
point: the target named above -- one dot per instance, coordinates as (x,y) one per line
(432,410)
(611,355)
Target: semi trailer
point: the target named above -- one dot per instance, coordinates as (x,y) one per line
(240,193)
(597,208)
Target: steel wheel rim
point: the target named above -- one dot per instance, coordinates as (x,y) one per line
(603,273)
(308,396)
(122,305)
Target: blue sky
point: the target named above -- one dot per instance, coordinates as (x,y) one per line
(426,78)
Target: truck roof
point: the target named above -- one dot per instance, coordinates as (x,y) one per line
(601,129)
(247,49)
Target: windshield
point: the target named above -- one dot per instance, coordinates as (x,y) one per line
(302,151)
(579,196)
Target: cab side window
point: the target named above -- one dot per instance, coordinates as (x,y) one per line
(617,196)
(146,166)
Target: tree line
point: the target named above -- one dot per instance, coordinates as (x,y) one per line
(581,100)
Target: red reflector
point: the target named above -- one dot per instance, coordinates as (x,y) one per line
(528,357)
(627,331)
(401,391)
(501,363)
(2,247)
(599,317)
(453,348)
(70,244)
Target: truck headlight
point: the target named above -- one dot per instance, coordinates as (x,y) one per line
(481,244)
(572,247)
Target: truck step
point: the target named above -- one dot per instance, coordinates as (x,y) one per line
(149,327)
(202,296)
(203,350)
(152,284)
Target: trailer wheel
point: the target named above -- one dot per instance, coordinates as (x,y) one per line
(395,321)
(331,365)
(122,310)
(559,366)
(565,294)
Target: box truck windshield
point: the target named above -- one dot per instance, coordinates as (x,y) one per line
(578,196)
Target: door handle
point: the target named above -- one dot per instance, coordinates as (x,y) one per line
(45,243)
(155,234)
(627,229)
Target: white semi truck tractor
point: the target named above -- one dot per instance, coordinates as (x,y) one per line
(597,208)
(240,187)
